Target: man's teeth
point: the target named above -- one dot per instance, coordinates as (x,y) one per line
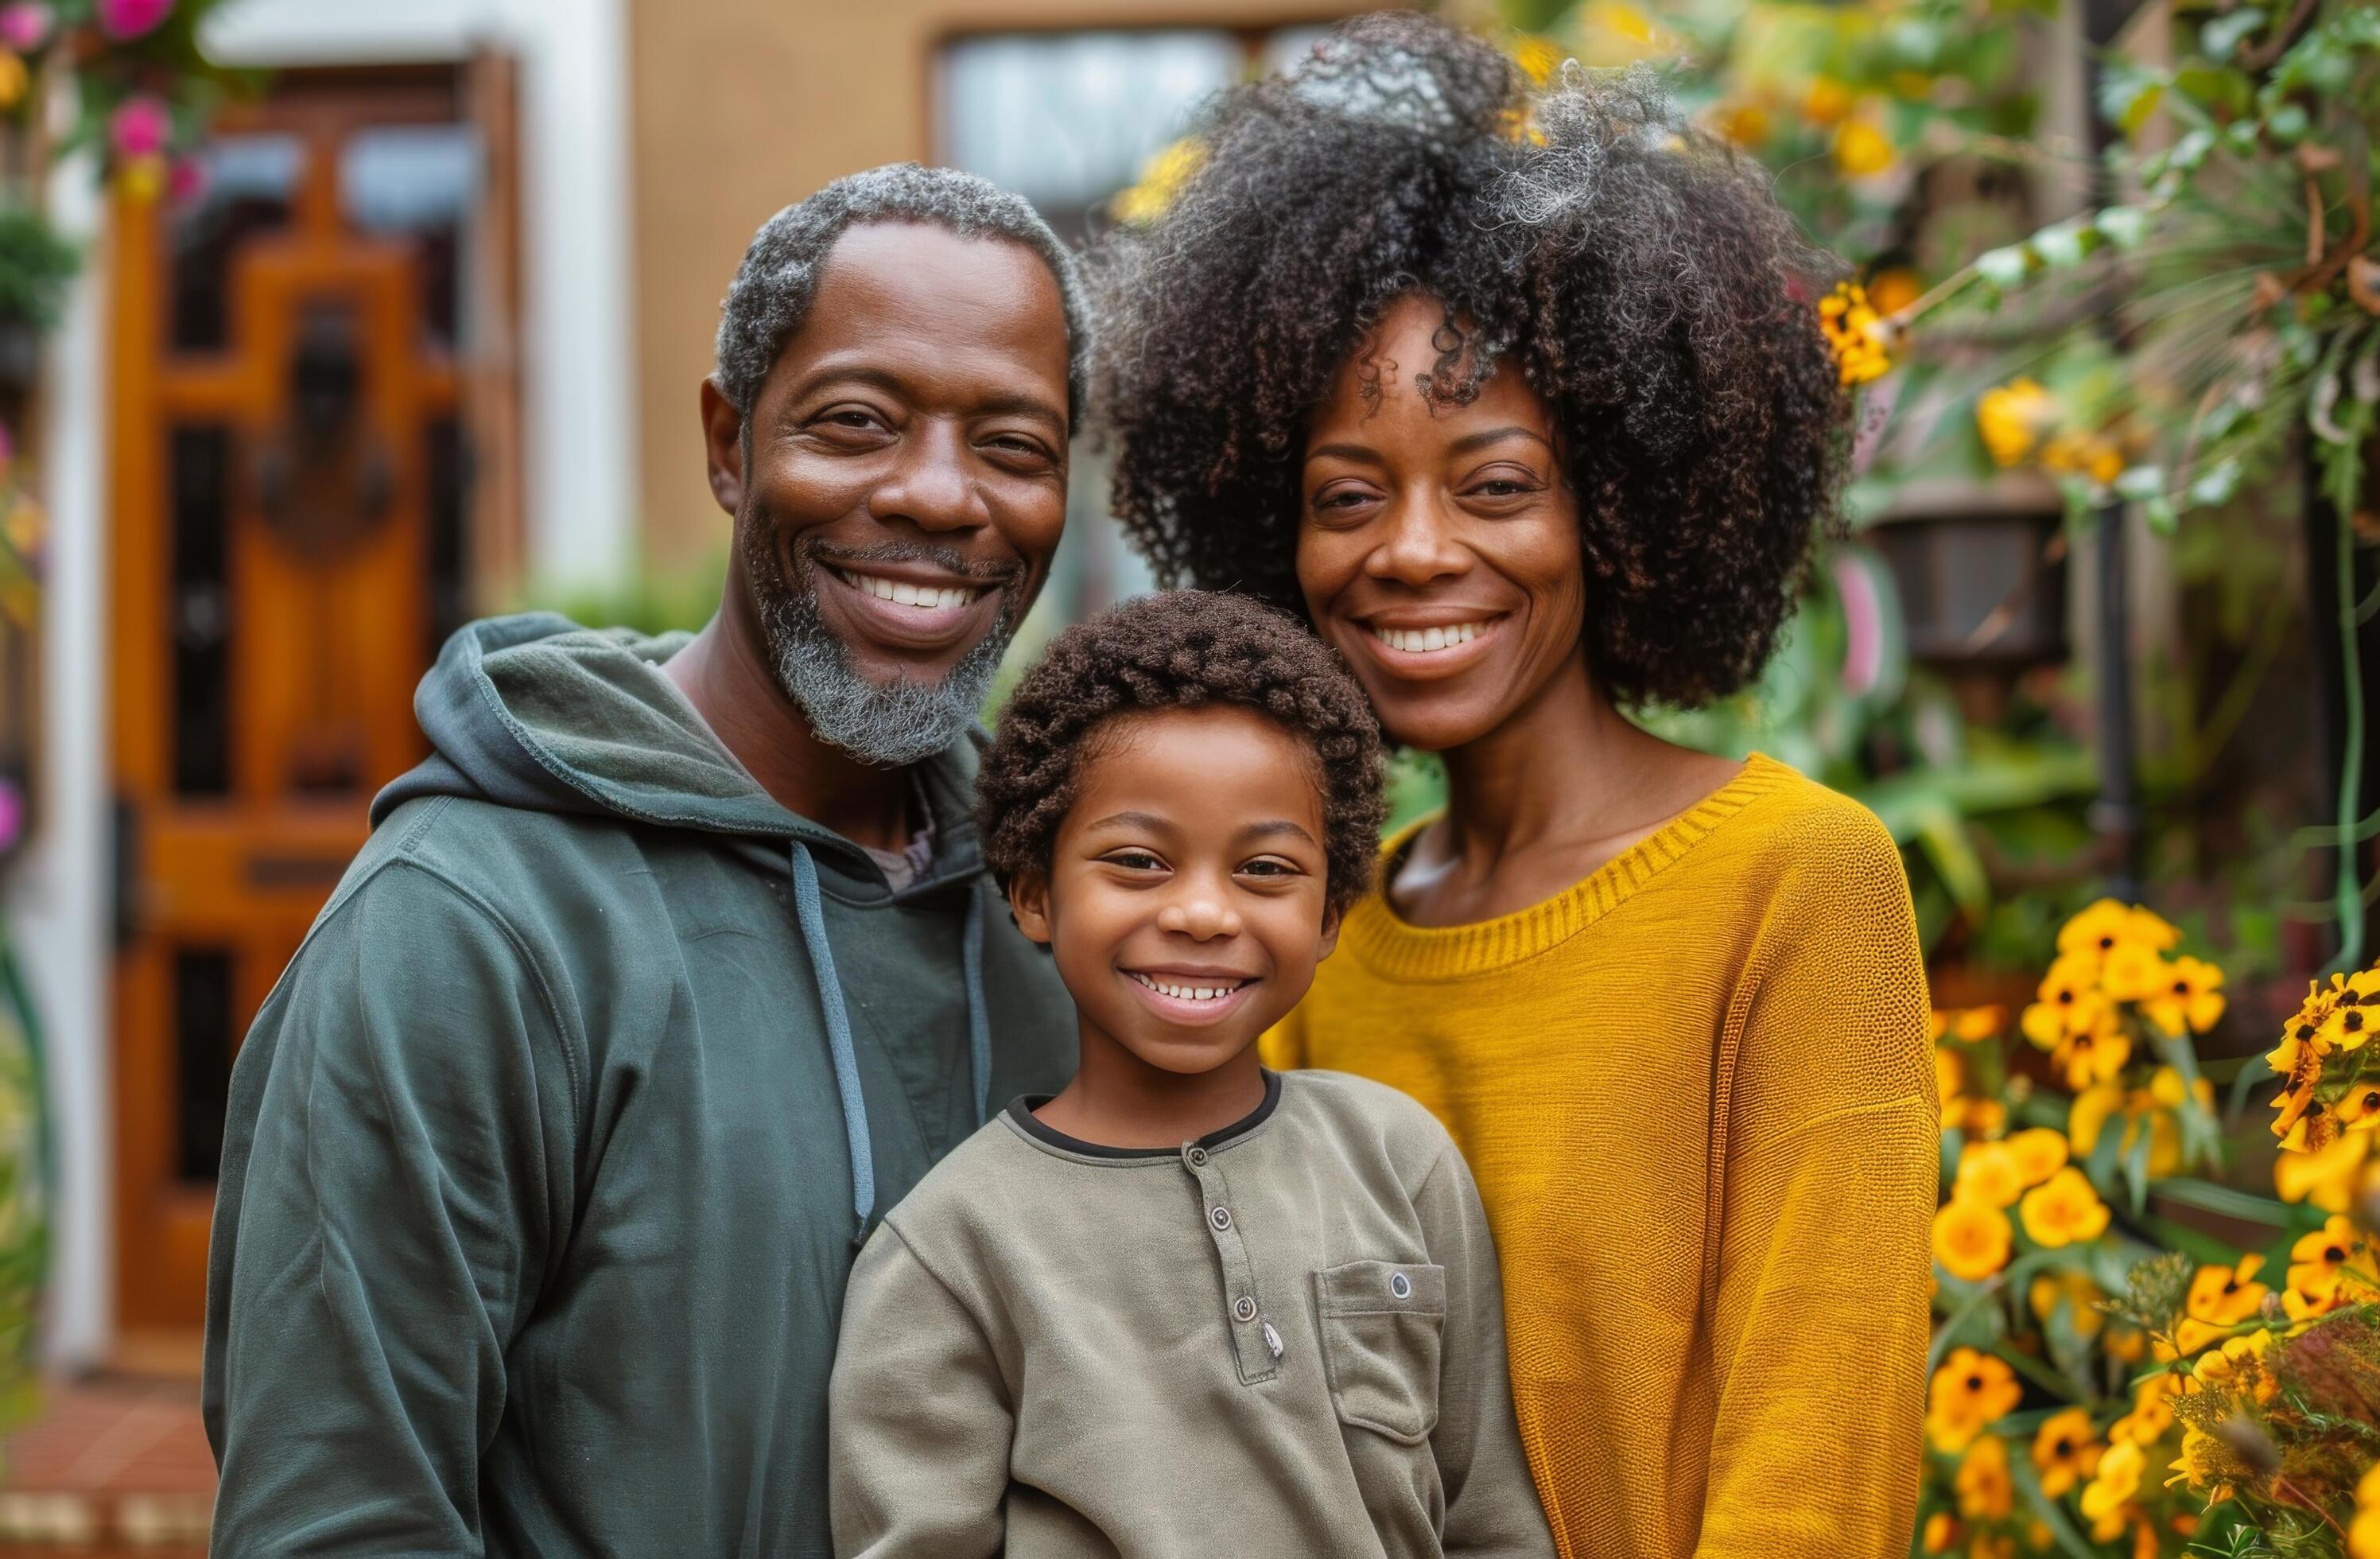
(1421,640)
(1189,992)
(901,592)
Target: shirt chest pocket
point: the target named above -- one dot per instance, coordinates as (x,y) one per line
(1383,1327)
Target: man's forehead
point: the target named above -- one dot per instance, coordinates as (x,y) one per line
(891,289)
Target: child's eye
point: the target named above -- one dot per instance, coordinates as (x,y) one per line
(1268,867)
(1135,860)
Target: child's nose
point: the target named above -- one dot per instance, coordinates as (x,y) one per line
(1200,916)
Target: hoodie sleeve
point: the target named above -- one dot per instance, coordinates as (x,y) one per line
(395,1168)
(1492,1499)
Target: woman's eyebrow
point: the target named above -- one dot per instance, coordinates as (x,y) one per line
(1470,442)
(1356,452)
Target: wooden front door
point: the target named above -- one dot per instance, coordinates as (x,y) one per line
(310,484)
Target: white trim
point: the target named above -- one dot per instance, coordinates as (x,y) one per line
(57,894)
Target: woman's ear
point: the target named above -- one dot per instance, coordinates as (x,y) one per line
(1029,900)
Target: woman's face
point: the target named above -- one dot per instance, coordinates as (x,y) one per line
(1437,545)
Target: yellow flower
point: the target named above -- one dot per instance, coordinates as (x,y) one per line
(14,80)
(1971,1239)
(2037,1152)
(1988,1173)
(2190,1000)
(2132,971)
(2068,1002)
(142,179)
(1984,1489)
(2352,1016)
(2117,1480)
(1538,57)
(2065,1451)
(2320,1263)
(1745,123)
(2199,1465)
(2326,1177)
(1940,1532)
(1862,149)
(1893,290)
(1161,180)
(1611,32)
(2359,1108)
(2092,455)
(2151,1412)
(1978,1023)
(2081,1297)
(2363,1536)
(1966,1395)
(2220,1297)
(1827,101)
(2062,1211)
(2096,1055)
(1861,340)
(1976,1117)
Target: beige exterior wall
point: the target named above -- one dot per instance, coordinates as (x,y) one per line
(742,106)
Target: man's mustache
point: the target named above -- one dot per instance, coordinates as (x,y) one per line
(945,558)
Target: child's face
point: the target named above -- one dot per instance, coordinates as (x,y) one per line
(1186,898)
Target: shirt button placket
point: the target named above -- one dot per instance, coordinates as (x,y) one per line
(1254,1341)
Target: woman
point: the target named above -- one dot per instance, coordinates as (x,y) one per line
(1520,398)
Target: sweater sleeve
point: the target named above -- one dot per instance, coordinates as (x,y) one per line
(381,1228)
(1818,1333)
(919,1419)
(1492,1499)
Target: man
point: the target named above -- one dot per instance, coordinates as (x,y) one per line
(675,967)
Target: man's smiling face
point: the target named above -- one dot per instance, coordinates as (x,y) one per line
(900,482)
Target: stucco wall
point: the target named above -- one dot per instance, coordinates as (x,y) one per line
(741,105)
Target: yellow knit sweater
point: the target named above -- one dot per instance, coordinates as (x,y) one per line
(1697,1093)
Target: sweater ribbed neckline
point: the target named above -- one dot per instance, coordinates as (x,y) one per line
(1398,950)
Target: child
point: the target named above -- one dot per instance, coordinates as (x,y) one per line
(1186,1306)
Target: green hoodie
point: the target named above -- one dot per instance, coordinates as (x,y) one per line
(550,1153)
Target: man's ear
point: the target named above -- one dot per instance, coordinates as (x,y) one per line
(1330,942)
(1029,900)
(722,442)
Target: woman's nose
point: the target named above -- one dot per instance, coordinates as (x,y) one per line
(1420,544)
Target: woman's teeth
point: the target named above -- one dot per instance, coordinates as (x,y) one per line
(1421,640)
(903,593)
(1189,992)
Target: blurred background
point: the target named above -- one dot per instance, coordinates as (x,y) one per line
(327,325)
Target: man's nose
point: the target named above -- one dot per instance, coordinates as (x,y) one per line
(1200,915)
(933,486)
(1419,546)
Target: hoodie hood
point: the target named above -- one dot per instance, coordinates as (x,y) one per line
(535,711)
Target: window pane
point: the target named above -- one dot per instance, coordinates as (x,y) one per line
(246,186)
(422,182)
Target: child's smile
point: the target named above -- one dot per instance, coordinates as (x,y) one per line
(1187,904)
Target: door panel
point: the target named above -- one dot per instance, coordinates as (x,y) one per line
(294,520)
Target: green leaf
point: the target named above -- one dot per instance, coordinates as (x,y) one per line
(2141,484)
(2208,1197)
(2218,38)
(2136,1168)
(2289,123)
(2063,245)
(2124,227)
(2004,267)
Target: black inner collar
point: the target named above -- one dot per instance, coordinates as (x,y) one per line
(1021,1112)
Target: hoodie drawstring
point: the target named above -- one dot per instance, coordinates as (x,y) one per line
(978,1020)
(838,1036)
(806,910)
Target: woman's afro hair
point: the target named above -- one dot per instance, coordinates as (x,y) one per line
(1180,649)
(1634,270)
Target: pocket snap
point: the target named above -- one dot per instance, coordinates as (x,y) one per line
(1382,1325)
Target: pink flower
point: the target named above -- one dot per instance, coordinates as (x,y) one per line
(131,19)
(25,25)
(139,127)
(12,815)
(185,181)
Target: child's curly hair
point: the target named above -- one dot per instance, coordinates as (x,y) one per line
(1634,270)
(1182,650)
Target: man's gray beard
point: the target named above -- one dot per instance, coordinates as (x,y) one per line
(892,724)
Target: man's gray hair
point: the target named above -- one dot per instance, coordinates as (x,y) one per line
(771,293)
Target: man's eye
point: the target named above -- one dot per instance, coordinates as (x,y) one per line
(852,417)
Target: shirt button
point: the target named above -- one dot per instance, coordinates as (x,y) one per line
(1220,1217)
(1197,1157)
(1401,1285)
(1244,1308)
